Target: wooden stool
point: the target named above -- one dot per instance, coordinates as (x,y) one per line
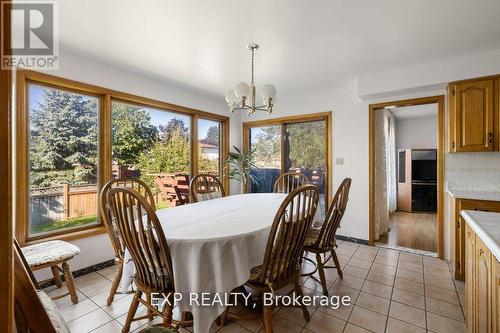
(52,254)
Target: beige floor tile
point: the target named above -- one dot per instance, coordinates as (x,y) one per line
(294,315)
(398,326)
(111,327)
(351,328)
(368,319)
(377,289)
(444,309)
(89,322)
(380,268)
(316,286)
(436,263)
(381,278)
(434,271)
(356,271)
(343,311)
(410,258)
(408,298)
(386,260)
(74,311)
(460,286)
(324,323)
(441,324)
(102,297)
(408,314)
(411,266)
(141,311)
(251,325)
(410,275)
(119,306)
(108,272)
(374,303)
(441,294)
(343,259)
(360,263)
(92,284)
(282,325)
(234,328)
(439,282)
(411,286)
(350,281)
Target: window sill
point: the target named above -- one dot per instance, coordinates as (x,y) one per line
(67,236)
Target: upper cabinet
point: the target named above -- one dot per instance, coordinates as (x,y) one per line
(473,111)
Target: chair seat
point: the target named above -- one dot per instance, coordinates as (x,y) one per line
(158,329)
(53,313)
(312,237)
(49,252)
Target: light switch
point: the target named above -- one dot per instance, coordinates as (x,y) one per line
(339,161)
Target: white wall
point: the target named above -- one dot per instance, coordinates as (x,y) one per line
(416,133)
(97,249)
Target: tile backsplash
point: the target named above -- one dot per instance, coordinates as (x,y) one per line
(473,171)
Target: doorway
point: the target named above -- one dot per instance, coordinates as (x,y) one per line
(406,175)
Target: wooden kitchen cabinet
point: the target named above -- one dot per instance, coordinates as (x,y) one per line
(473,113)
(470,246)
(482,287)
(458,232)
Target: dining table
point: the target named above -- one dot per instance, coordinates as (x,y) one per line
(214,244)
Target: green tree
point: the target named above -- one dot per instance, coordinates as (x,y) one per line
(172,126)
(266,146)
(133,133)
(63,146)
(213,136)
(306,144)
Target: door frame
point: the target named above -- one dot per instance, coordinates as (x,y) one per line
(440,162)
(282,121)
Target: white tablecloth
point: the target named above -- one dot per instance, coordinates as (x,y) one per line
(213,245)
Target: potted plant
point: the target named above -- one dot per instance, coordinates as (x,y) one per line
(239,165)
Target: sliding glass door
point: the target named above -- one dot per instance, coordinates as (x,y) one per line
(298,144)
(305,152)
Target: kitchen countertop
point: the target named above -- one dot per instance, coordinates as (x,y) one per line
(487,226)
(475,195)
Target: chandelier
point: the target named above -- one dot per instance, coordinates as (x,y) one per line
(242,97)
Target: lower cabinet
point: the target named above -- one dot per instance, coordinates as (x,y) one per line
(482,286)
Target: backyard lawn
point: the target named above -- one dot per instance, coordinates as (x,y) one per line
(75,222)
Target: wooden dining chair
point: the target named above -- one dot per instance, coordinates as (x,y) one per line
(321,241)
(205,187)
(289,181)
(143,236)
(281,266)
(112,228)
(35,311)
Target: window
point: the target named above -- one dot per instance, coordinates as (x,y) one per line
(72,138)
(209,143)
(63,149)
(150,144)
(295,144)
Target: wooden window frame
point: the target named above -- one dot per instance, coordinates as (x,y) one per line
(282,121)
(105,96)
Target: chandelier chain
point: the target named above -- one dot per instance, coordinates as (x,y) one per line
(252,64)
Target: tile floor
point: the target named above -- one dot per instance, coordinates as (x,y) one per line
(391,291)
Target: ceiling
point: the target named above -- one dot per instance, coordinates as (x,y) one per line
(417,111)
(305,45)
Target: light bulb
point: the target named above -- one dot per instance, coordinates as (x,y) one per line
(268,91)
(242,89)
(231,97)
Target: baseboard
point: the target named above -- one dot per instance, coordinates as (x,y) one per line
(80,272)
(352,239)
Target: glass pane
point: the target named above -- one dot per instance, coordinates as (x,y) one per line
(266,144)
(305,153)
(153,145)
(209,142)
(63,149)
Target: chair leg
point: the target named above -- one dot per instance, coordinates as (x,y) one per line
(268,326)
(167,312)
(150,312)
(131,311)
(57,275)
(321,272)
(305,312)
(336,261)
(69,282)
(116,283)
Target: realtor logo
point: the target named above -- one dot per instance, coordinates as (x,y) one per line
(34,39)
